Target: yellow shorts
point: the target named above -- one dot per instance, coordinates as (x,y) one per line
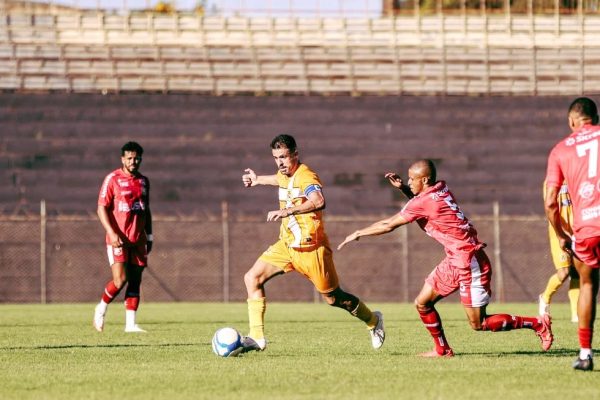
(316,264)
(560,258)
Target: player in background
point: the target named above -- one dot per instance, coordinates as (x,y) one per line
(563,261)
(124,211)
(574,160)
(466,267)
(303,245)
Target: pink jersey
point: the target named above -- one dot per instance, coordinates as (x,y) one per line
(127,198)
(437,213)
(575,160)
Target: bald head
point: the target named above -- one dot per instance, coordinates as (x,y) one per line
(424,169)
(421,175)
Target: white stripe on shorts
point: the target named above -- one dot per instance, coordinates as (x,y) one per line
(111,256)
(479,296)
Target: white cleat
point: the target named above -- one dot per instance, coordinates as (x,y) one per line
(134,329)
(377,333)
(543,307)
(98,319)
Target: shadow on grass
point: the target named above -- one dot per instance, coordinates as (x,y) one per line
(100,346)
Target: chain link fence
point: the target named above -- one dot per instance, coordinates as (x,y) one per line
(63,259)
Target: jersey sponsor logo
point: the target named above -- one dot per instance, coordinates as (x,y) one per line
(586,190)
(123,183)
(124,207)
(590,213)
(125,192)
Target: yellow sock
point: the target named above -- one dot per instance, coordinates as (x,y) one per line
(553,284)
(573,296)
(363,313)
(256,317)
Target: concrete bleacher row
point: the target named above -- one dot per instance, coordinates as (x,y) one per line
(75,67)
(440,54)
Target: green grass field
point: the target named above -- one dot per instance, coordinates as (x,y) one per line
(315,352)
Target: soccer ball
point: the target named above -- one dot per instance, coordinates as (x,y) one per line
(227,342)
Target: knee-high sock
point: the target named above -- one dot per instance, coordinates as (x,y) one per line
(573,296)
(256,317)
(363,313)
(432,321)
(585,337)
(110,292)
(552,286)
(132,296)
(507,322)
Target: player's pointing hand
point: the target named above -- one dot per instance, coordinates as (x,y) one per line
(350,238)
(394,179)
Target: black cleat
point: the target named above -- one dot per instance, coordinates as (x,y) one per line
(584,365)
(251,344)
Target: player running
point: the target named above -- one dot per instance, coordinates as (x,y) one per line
(124,211)
(575,160)
(303,245)
(563,262)
(466,267)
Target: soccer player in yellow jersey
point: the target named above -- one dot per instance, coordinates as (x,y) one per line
(302,246)
(563,261)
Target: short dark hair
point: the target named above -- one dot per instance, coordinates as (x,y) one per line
(432,171)
(132,146)
(585,108)
(283,140)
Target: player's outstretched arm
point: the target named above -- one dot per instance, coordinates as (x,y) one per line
(251,179)
(378,228)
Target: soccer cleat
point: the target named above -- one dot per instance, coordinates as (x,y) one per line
(98,321)
(543,307)
(250,344)
(584,365)
(134,329)
(377,333)
(434,354)
(544,332)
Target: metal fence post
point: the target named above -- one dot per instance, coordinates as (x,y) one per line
(497,255)
(43,251)
(404,263)
(225,225)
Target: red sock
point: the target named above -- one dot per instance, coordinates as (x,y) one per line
(132,303)
(433,323)
(110,292)
(506,322)
(585,338)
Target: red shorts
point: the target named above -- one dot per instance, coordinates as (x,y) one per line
(588,251)
(135,255)
(473,277)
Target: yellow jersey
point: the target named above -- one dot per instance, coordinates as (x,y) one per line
(301,231)
(565,208)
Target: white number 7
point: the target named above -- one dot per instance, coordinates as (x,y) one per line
(592,147)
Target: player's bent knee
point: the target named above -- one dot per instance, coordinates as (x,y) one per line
(422,308)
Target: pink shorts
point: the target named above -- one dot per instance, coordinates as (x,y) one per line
(472,277)
(588,251)
(135,255)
